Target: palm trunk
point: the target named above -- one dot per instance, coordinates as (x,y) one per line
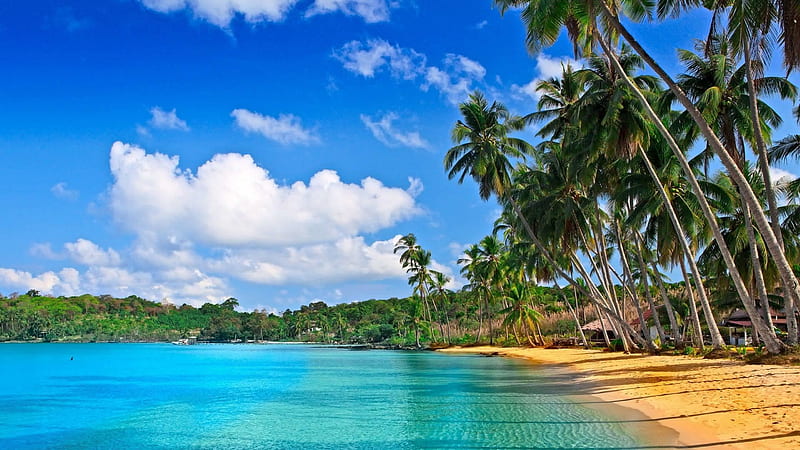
(648,294)
(774,345)
(790,300)
(773,246)
(673,322)
(575,316)
(489,319)
(621,327)
(603,328)
(480,319)
(697,336)
(562,273)
(630,287)
(755,261)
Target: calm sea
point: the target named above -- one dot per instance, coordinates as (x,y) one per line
(289,397)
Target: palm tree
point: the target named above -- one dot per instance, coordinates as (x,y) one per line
(485,158)
(520,316)
(543,29)
(439,289)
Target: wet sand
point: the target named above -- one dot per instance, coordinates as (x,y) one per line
(709,403)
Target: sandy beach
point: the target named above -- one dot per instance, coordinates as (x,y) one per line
(709,403)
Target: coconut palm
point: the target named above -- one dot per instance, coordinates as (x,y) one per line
(543,29)
(483,150)
(520,316)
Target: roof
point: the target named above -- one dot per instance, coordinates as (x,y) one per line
(595,326)
(740,318)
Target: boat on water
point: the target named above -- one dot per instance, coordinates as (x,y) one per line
(185,341)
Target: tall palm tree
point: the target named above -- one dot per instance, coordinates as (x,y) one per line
(482,152)
(587,13)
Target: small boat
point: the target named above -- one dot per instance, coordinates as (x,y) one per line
(185,341)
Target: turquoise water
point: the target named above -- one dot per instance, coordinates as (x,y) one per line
(287,397)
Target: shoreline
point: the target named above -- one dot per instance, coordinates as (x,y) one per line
(708,403)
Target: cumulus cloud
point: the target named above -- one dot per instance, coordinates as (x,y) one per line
(547,67)
(44,282)
(285,129)
(371,11)
(61,190)
(166,120)
(231,201)
(383,129)
(222,12)
(197,289)
(88,253)
(343,259)
(454,79)
(195,231)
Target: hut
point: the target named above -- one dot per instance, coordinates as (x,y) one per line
(740,327)
(594,331)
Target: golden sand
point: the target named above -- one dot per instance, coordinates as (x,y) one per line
(709,403)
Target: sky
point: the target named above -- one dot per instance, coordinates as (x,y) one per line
(272,151)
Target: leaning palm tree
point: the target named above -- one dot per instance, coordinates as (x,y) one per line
(580,18)
(482,152)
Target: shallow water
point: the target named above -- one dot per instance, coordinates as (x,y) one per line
(289,397)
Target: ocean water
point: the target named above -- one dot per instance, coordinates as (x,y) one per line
(289,397)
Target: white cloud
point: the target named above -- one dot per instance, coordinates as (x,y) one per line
(197,289)
(384,131)
(547,67)
(193,232)
(231,201)
(45,282)
(222,12)
(454,79)
(285,129)
(367,58)
(142,131)
(61,190)
(457,249)
(462,65)
(781,176)
(481,25)
(166,120)
(371,11)
(88,253)
(343,259)
(44,250)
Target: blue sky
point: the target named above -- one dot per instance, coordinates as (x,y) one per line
(271,151)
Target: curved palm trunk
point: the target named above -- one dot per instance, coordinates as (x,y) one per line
(616,319)
(673,321)
(716,336)
(773,344)
(575,316)
(755,261)
(790,299)
(603,327)
(736,175)
(629,286)
(648,294)
(697,336)
(562,273)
